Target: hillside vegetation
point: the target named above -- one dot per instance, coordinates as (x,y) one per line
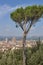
(34,56)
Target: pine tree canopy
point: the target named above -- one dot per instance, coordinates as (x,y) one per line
(30,13)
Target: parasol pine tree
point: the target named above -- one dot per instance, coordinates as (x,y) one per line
(26,18)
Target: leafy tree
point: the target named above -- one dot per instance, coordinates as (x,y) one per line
(25,18)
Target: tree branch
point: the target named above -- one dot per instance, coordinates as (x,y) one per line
(21,26)
(29,27)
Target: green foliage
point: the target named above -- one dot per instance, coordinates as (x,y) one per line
(34,12)
(31,13)
(15,57)
(18,15)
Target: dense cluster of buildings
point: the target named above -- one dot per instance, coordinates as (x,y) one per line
(15,44)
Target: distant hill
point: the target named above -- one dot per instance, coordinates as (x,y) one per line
(4,37)
(19,38)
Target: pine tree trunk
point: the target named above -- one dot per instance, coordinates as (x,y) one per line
(24,48)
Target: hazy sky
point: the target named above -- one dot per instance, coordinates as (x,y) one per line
(8,27)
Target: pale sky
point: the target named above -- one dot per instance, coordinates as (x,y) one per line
(8,27)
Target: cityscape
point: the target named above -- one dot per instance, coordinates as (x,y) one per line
(16,44)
